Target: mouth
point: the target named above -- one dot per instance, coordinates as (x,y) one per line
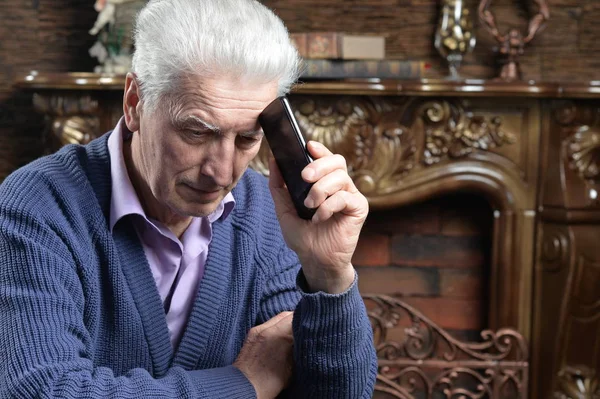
(203,195)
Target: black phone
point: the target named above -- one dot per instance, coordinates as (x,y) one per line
(289,149)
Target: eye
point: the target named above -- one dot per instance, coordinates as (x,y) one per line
(196,134)
(249,140)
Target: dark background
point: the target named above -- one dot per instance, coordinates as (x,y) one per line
(51,36)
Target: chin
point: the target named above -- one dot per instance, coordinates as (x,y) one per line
(195,209)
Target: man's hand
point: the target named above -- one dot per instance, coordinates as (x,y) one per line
(266,358)
(326,243)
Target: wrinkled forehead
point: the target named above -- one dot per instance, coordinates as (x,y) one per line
(219,98)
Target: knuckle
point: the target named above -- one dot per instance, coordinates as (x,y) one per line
(342,174)
(343,197)
(325,210)
(255,335)
(341,160)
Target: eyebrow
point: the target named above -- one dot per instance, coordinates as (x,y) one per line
(251,133)
(192,121)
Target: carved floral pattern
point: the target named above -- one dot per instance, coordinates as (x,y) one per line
(583,153)
(380,140)
(379,150)
(578,383)
(430,363)
(74,119)
(452,132)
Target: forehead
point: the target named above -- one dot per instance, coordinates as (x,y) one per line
(221,100)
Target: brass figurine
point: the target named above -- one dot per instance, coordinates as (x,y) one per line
(512,43)
(454,34)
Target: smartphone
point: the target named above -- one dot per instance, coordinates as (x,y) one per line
(289,149)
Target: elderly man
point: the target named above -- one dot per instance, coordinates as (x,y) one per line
(153,263)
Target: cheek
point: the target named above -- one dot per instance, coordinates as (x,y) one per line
(180,159)
(162,159)
(243,159)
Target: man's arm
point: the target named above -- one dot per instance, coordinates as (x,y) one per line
(45,349)
(334,355)
(333,345)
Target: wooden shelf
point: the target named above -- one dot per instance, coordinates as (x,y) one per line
(393,87)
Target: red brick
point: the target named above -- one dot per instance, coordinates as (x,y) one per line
(461,283)
(372,250)
(415,219)
(448,314)
(398,281)
(398,334)
(455,222)
(451,313)
(440,251)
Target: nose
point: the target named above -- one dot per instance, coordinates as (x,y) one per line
(219,160)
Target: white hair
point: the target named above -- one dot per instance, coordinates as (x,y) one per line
(208,38)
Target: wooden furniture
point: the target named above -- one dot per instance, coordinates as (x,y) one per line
(531,149)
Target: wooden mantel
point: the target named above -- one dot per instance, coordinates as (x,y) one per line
(531,148)
(371,87)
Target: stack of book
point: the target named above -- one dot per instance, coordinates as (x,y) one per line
(336,55)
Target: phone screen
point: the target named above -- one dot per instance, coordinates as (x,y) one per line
(289,149)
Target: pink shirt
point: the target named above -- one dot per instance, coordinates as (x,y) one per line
(177,265)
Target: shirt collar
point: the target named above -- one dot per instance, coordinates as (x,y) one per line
(124,200)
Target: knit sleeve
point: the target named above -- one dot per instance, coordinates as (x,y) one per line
(45,347)
(334,355)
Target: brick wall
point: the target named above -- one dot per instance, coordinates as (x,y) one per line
(51,35)
(434,255)
(409,27)
(43,35)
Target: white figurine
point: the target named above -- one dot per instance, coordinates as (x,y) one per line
(114,61)
(106,13)
(99,51)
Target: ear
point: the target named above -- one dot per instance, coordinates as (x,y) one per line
(132,103)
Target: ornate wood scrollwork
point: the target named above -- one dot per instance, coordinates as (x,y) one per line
(429,363)
(452,132)
(580,128)
(578,383)
(556,247)
(583,153)
(378,148)
(384,141)
(73,119)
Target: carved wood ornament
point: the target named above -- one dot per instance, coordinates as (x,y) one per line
(74,119)
(567,279)
(452,132)
(381,139)
(430,363)
(581,146)
(578,383)
(583,152)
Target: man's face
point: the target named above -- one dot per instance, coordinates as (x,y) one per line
(195,148)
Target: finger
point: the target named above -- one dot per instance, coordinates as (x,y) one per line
(317,150)
(323,166)
(351,204)
(283,326)
(326,187)
(275,320)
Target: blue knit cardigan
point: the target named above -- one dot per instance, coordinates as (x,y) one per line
(81,317)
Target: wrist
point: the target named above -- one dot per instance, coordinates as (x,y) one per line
(329,282)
